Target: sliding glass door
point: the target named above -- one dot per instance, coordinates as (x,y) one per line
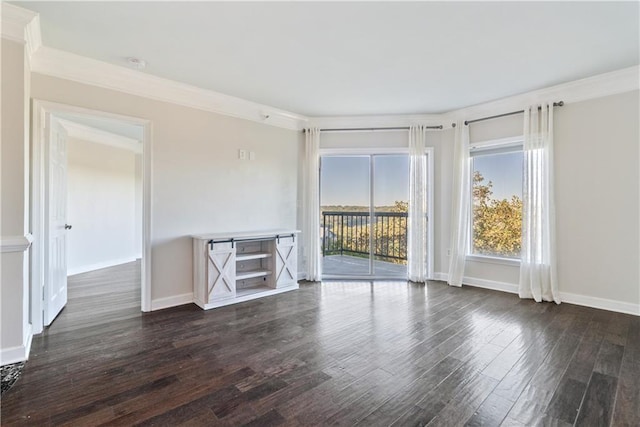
(363,218)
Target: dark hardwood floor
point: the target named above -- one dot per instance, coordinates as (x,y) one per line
(387,353)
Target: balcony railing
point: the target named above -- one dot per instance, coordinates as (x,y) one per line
(347,233)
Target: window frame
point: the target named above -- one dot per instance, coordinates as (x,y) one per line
(488,147)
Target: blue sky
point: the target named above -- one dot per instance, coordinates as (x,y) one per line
(344,180)
(504,170)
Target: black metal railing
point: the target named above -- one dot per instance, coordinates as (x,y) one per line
(347,233)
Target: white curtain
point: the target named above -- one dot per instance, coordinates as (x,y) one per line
(461,206)
(538,279)
(311,208)
(417,216)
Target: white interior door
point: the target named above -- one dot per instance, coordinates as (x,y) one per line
(55,284)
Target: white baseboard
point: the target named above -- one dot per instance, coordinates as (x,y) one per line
(440,276)
(481,283)
(18,353)
(99,265)
(569,298)
(602,303)
(172,301)
(490,284)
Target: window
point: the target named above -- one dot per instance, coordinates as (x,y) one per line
(496,218)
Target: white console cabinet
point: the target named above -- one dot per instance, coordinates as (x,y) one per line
(234,267)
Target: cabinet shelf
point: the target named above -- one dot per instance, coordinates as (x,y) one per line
(252,255)
(249,274)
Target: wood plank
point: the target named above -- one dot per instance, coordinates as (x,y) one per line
(361,352)
(597,406)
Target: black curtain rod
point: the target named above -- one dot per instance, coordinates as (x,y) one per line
(468,122)
(372,129)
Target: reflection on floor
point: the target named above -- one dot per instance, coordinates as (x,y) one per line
(333,353)
(344,265)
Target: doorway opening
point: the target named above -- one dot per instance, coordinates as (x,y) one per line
(90,207)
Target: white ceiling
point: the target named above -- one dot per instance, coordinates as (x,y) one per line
(331,58)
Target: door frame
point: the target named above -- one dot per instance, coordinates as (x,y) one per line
(429,151)
(40,110)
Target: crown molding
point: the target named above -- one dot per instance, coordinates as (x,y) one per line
(69,66)
(391,120)
(91,134)
(611,83)
(21,26)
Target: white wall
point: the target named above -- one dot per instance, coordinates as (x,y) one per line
(15,329)
(101,192)
(199,185)
(597,149)
(597,202)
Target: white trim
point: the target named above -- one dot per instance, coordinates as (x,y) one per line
(481,283)
(172,301)
(32,36)
(565,297)
(612,83)
(237,299)
(601,303)
(13,355)
(430,151)
(40,111)
(508,142)
(14,22)
(100,265)
(362,151)
(147,214)
(21,26)
(490,284)
(512,262)
(91,134)
(440,277)
(379,121)
(18,353)
(16,243)
(66,65)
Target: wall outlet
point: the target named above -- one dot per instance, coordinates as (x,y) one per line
(242,154)
(448,252)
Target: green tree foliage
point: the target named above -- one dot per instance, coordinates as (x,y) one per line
(497,224)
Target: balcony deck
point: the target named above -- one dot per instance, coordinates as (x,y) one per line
(345,265)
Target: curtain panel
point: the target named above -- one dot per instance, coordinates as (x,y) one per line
(538,272)
(417,268)
(311,207)
(461,205)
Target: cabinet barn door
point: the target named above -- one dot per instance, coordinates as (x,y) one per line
(221,272)
(286,262)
